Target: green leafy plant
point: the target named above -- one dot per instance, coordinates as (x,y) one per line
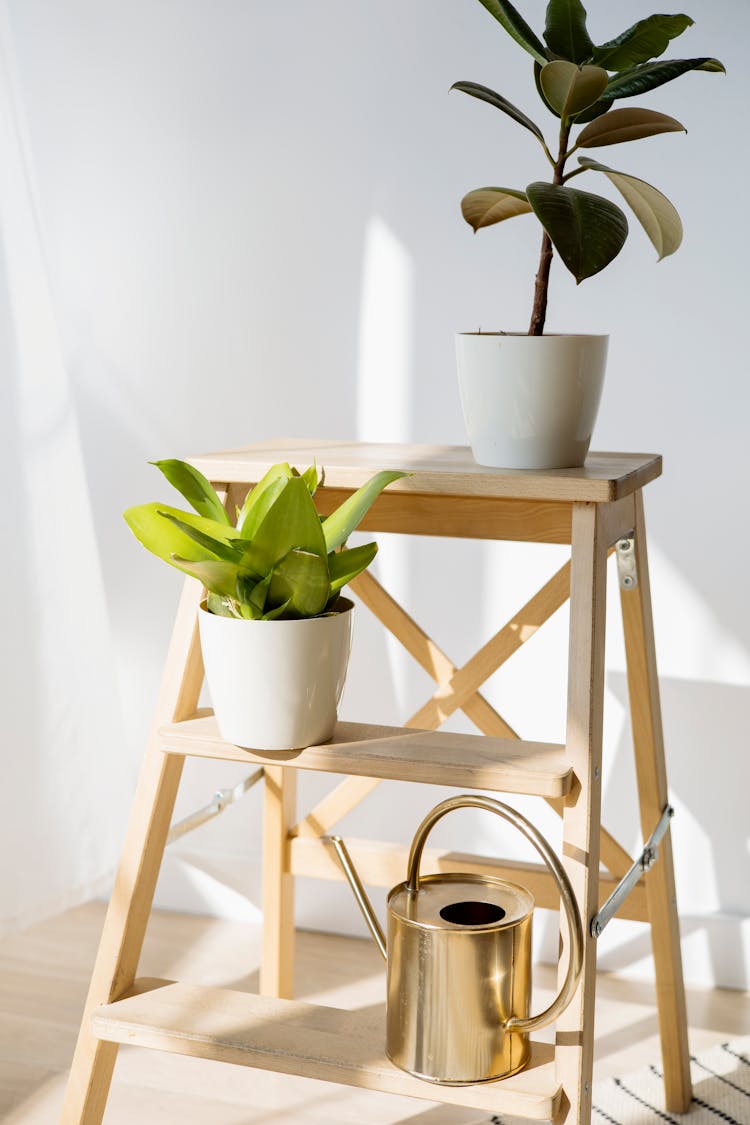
(280,560)
(579,82)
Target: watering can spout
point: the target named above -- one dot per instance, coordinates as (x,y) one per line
(359,893)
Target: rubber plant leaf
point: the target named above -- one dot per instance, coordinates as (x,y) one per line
(569,89)
(215,575)
(587,231)
(292,521)
(593,111)
(622,125)
(641,79)
(345,565)
(300,580)
(485,94)
(259,500)
(565,33)
(539,90)
(340,524)
(191,483)
(596,110)
(645,40)
(516,26)
(485,206)
(164,538)
(211,545)
(652,209)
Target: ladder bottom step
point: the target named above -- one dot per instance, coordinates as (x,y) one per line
(291,1037)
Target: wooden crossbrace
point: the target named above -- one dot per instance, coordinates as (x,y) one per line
(458,689)
(464,682)
(350,792)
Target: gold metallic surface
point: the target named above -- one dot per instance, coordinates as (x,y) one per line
(359,893)
(459,961)
(451,988)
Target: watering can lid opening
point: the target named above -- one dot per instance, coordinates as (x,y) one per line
(454,903)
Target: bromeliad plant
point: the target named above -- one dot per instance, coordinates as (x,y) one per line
(579,82)
(281,560)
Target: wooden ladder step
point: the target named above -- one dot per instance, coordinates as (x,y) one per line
(435,757)
(290,1037)
(382,864)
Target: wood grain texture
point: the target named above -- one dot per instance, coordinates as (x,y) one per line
(130,905)
(454,517)
(290,1037)
(44,972)
(429,656)
(384,865)
(651,772)
(459,517)
(353,790)
(448,470)
(279,815)
(618,519)
(452,679)
(464,682)
(335,806)
(581,815)
(435,757)
(447,494)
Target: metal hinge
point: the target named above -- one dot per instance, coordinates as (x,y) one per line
(645,861)
(221,800)
(626,568)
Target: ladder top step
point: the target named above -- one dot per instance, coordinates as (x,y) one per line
(291,1037)
(435,757)
(448,470)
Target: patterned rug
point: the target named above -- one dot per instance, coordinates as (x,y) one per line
(721,1092)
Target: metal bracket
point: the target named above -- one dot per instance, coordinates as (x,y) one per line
(626,568)
(222,799)
(645,861)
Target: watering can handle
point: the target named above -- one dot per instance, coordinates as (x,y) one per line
(575,927)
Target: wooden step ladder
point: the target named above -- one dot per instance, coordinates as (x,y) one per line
(598,510)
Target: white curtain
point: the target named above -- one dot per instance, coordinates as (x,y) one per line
(65,783)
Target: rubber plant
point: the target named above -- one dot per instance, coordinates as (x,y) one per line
(580,82)
(280,560)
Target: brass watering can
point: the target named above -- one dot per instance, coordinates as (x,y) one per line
(459,961)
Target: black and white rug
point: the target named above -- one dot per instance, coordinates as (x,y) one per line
(721,1092)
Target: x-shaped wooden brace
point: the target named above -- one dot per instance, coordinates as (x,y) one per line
(458,688)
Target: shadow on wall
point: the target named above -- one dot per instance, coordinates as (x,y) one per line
(58,691)
(705,730)
(21,663)
(207,302)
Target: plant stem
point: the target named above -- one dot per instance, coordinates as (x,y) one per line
(541,283)
(570,175)
(541,288)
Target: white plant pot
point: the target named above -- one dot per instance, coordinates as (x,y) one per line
(530,402)
(276,685)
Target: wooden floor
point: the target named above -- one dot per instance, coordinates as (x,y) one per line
(44,975)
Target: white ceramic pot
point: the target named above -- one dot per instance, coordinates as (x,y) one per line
(276,685)
(530,402)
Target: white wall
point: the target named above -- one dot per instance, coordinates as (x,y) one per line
(251,213)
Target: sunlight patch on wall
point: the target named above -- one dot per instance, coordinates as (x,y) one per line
(210,885)
(691,642)
(385,362)
(385,371)
(59,688)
